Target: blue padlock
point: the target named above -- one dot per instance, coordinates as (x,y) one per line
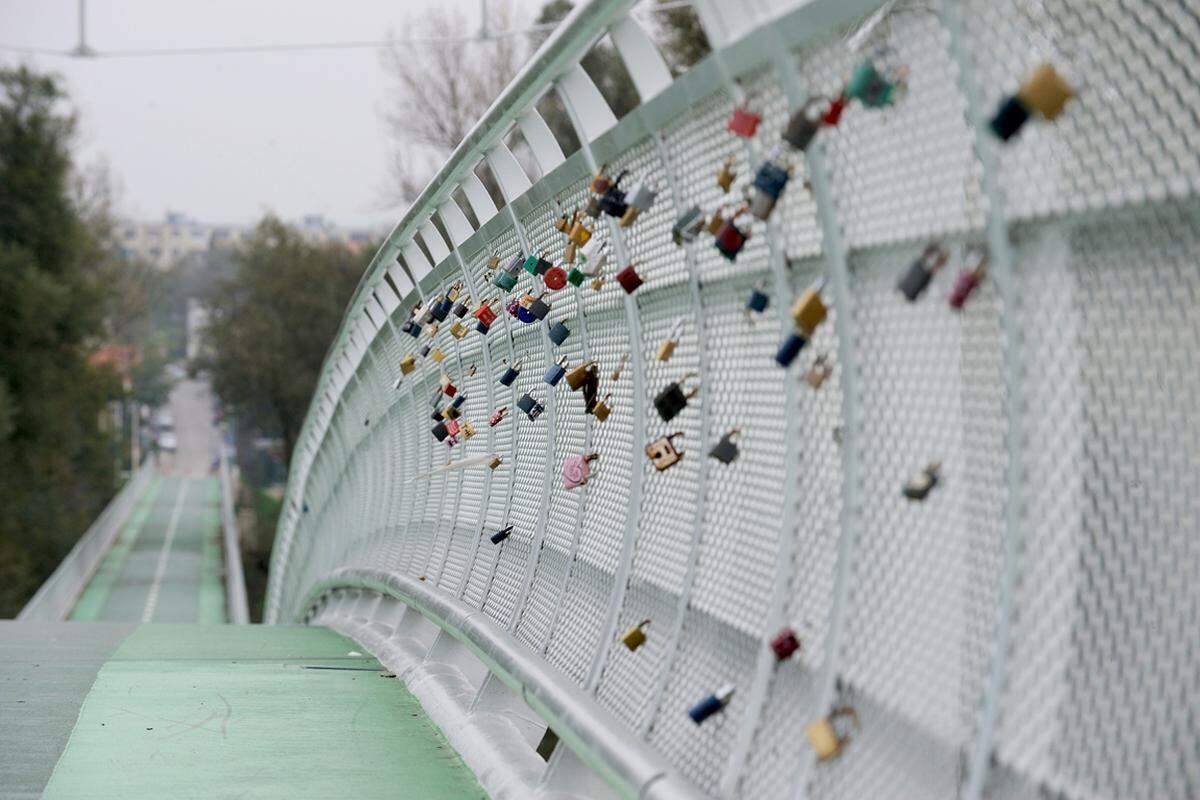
(558,333)
(525,315)
(757,301)
(712,704)
(458,400)
(482,327)
(556,372)
(412,328)
(771,179)
(532,408)
(441,309)
(790,348)
(510,374)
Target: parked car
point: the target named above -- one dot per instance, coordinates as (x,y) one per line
(167,441)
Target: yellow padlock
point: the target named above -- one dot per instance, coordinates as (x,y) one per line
(1046,91)
(450,412)
(823,735)
(494,462)
(635,637)
(467,430)
(580,234)
(602,409)
(809,311)
(458,330)
(437,355)
(408,364)
(667,348)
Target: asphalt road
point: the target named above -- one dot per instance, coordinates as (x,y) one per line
(192,405)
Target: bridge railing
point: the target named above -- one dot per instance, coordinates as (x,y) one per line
(1021,624)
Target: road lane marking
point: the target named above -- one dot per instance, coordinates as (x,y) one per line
(164,555)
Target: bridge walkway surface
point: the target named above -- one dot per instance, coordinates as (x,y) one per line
(111,710)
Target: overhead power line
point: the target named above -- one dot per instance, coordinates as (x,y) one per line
(83,50)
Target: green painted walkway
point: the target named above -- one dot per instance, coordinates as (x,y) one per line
(221,711)
(166,564)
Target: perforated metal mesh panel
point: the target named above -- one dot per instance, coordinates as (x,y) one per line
(1025,630)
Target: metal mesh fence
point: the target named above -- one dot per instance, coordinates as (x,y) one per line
(1022,626)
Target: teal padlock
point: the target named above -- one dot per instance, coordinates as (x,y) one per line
(576,277)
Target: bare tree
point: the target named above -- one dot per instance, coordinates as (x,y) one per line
(441,90)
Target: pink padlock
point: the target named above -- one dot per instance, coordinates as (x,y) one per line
(497,416)
(577,470)
(452,427)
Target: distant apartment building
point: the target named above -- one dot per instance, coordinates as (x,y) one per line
(165,243)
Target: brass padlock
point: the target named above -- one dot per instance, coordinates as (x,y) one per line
(819,372)
(458,330)
(493,262)
(666,348)
(663,453)
(809,310)
(451,412)
(717,222)
(601,410)
(726,174)
(577,376)
(437,355)
(597,283)
(467,430)
(635,637)
(494,462)
(1045,91)
(452,294)
(408,364)
(563,224)
(579,233)
(823,734)
(616,373)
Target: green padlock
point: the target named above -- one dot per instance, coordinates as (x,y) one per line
(576,277)
(504,281)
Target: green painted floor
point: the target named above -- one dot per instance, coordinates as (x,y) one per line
(166,564)
(221,711)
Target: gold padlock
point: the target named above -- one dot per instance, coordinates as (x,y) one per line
(437,355)
(717,222)
(819,372)
(467,430)
(450,412)
(635,637)
(452,295)
(824,737)
(458,330)
(432,328)
(578,375)
(493,261)
(494,462)
(408,364)
(616,373)
(562,223)
(809,311)
(726,174)
(597,283)
(602,409)
(1046,91)
(667,348)
(580,234)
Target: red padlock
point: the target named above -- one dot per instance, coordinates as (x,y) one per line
(834,113)
(744,122)
(555,278)
(785,644)
(485,314)
(629,279)
(730,240)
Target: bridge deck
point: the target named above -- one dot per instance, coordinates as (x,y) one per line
(213,711)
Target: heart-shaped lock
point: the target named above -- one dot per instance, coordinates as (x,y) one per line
(577,470)
(555,278)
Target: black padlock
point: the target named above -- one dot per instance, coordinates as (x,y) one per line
(726,451)
(920,274)
(425,349)
(558,333)
(673,399)
(441,309)
(440,431)
(502,534)
(460,309)
(789,349)
(482,327)
(804,124)
(411,327)
(510,374)
(532,408)
(539,307)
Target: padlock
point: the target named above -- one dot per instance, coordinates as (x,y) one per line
(460,309)
(412,328)
(629,279)
(512,305)
(458,401)
(494,462)
(569,251)
(730,239)
(600,181)
(485,314)
(921,484)
(578,375)
(432,329)
(408,364)
(524,314)
(442,308)
(616,373)
(458,330)
(580,234)
(497,416)
(597,283)
(833,113)
(743,122)
(538,307)
(537,265)
(563,223)
(612,201)
(576,276)
(451,413)
(1045,92)
(558,333)
(726,174)
(726,450)
(716,221)
(663,453)
(671,400)
(757,301)
(577,470)
(790,348)
(502,534)
(437,355)
(809,310)
(688,226)
(504,280)
(824,737)
(448,388)
(601,410)
(591,388)
(482,327)
(635,637)
(785,644)
(468,430)
(532,408)
(493,261)
(819,372)
(769,184)
(440,431)
(425,350)
(803,125)
(592,207)
(666,348)
(711,704)
(968,279)
(437,415)
(641,199)
(920,274)
(556,372)
(555,278)
(510,374)
(871,87)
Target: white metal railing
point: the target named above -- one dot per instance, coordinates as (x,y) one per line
(1000,635)
(235,579)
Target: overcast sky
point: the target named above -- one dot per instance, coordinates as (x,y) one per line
(224,138)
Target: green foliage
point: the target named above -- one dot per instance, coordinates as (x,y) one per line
(271,323)
(56,462)
(681,37)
